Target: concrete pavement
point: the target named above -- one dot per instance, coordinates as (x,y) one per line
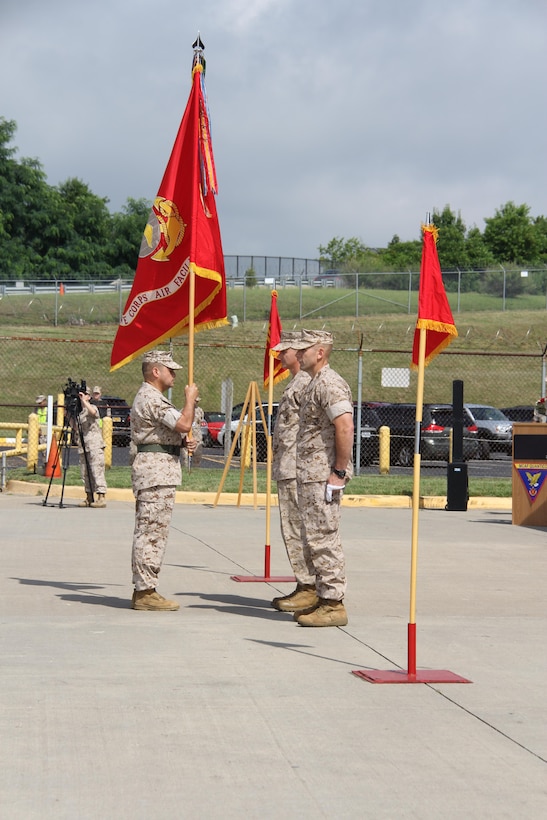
(229,709)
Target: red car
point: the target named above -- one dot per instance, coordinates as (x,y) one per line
(211,424)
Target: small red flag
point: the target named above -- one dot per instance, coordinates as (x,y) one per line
(182,234)
(434,312)
(274,337)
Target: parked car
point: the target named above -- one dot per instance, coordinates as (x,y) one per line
(236,415)
(520,412)
(437,422)
(211,425)
(121,424)
(261,444)
(495,429)
(370,425)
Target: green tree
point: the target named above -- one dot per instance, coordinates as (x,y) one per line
(250,277)
(510,235)
(126,230)
(342,253)
(402,256)
(451,243)
(540,231)
(23,191)
(479,255)
(493,282)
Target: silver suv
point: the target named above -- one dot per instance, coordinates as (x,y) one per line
(495,429)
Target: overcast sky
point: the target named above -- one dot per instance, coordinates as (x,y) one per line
(347,118)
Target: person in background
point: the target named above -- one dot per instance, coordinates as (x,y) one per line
(158,432)
(284,473)
(323,467)
(41,412)
(91,452)
(41,409)
(96,399)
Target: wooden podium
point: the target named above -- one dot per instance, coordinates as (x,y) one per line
(530,474)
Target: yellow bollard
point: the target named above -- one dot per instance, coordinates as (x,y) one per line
(107,438)
(32,442)
(60,409)
(384,447)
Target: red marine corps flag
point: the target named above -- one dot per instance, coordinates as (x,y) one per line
(179,282)
(278,372)
(434,314)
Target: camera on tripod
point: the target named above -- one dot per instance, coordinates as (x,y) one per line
(73,404)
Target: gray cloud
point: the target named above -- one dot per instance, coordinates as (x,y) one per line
(346,119)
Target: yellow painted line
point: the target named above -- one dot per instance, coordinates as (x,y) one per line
(247,499)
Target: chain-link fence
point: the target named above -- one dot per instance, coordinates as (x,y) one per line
(308,290)
(380,379)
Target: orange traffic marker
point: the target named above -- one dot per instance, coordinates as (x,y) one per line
(53,466)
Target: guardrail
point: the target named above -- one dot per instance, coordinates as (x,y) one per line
(32,447)
(57,287)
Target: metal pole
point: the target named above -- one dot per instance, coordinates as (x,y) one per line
(409,292)
(359,403)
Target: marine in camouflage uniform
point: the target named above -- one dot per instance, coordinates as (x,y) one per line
(284,472)
(91,453)
(323,460)
(157,436)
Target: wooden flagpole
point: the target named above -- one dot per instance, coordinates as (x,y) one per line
(267,548)
(416,503)
(191,325)
(412,675)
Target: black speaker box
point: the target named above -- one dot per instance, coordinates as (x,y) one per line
(457,493)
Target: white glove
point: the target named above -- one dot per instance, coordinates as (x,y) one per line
(330,489)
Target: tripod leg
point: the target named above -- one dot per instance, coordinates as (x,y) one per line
(62,452)
(65,458)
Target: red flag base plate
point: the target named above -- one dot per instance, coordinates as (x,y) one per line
(278,579)
(402,676)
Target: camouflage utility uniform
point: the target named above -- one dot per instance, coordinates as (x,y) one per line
(155,474)
(284,472)
(327,397)
(94,480)
(197,435)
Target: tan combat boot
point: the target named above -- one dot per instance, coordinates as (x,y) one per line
(303,596)
(312,608)
(328,613)
(100,502)
(148,600)
(88,500)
